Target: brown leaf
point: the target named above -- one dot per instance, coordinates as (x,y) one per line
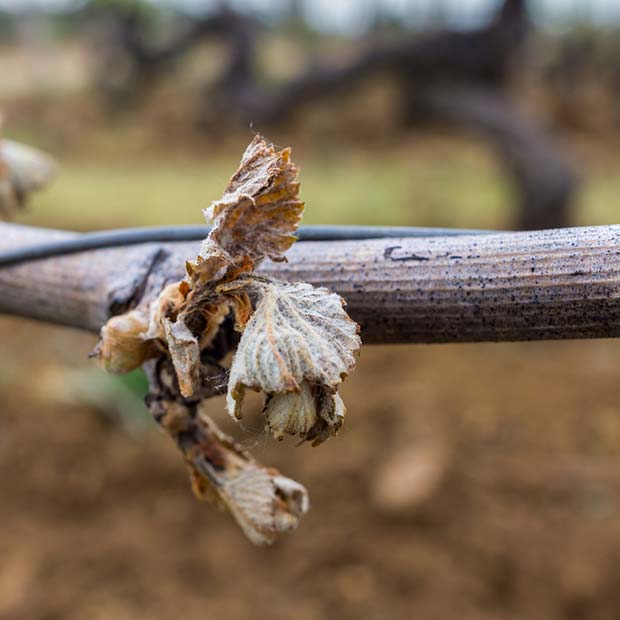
(185,354)
(260,210)
(314,413)
(124,345)
(210,264)
(167,306)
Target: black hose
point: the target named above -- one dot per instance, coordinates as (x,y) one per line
(132,236)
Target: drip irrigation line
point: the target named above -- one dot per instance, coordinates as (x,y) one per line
(88,242)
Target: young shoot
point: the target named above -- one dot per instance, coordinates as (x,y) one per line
(296,346)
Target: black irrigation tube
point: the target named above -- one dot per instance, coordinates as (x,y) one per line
(87,242)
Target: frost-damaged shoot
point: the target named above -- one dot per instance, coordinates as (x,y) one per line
(297,345)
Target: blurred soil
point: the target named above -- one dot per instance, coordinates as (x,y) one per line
(477,481)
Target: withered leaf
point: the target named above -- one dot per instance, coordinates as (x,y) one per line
(124,345)
(264,503)
(210,264)
(260,210)
(314,413)
(299,341)
(292,413)
(167,305)
(185,354)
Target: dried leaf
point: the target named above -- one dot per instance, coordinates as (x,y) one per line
(260,210)
(215,315)
(166,306)
(264,503)
(185,355)
(297,335)
(314,413)
(292,413)
(243,309)
(330,417)
(210,264)
(23,170)
(124,345)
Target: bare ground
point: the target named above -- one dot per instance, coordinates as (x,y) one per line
(477,481)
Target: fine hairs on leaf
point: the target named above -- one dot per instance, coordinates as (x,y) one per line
(296,346)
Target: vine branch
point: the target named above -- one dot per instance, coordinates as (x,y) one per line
(554,284)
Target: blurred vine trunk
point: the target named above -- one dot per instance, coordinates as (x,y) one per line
(544,181)
(452,78)
(458,79)
(133,58)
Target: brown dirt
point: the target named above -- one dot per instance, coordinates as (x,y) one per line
(508,507)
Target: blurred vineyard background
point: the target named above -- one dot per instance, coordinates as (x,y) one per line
(471,481)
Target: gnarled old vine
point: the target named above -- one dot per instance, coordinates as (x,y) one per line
(297,345)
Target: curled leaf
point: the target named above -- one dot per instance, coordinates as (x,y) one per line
(260,210)
(124,345)
(314,413)
(185,354)
(297,347)
(264,503)
(210,264)
(166,306)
